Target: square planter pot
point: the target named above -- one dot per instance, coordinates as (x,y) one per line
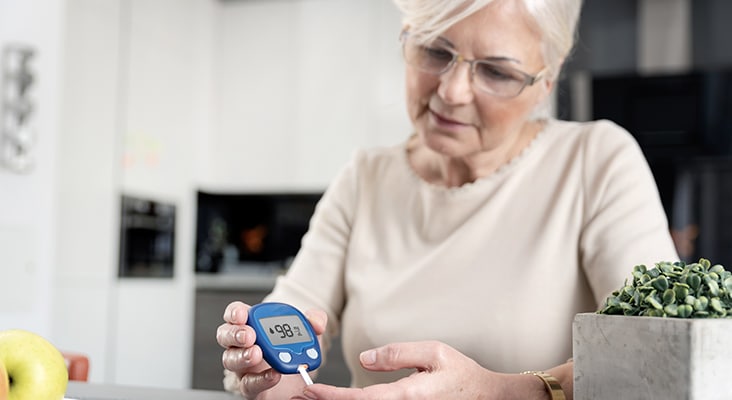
(648,358)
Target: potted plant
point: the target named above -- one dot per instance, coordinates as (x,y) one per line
(666,334)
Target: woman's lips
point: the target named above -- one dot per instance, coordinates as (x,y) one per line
(443,121)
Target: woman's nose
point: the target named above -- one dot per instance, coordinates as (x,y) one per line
(455,84)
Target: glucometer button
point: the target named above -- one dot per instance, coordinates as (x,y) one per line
(312,353)
(285,357)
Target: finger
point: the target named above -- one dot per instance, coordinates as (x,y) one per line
(228,335)
(253,384)
(424,356)
(236,313)
(400,390)
(318,319)
(242,360)
(326,392)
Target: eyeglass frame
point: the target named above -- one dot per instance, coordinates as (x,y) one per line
(529,80)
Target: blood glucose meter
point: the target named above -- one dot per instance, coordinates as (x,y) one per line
(286,338)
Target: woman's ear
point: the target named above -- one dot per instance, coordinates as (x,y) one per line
(548,85)
(549,81)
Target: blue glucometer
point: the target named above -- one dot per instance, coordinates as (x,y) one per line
(285,336)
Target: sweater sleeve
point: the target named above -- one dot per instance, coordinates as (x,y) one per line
(624,223)
(315,278)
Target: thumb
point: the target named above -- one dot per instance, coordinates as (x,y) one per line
(423,356)
(318,319)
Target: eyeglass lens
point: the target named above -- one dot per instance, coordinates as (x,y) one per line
(487,76)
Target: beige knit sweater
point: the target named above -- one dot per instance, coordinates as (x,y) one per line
(496,268)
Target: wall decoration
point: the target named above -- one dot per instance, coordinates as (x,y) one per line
(17,106)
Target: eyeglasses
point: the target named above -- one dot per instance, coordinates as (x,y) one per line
(489,76)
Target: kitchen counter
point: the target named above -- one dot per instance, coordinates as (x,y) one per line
(245,279)
(91,391)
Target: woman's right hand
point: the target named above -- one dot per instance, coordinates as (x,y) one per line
(243,361)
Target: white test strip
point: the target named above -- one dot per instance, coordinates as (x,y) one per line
(303,370)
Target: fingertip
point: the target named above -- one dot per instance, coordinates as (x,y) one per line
(319,391)
(309,393)
(236,313)
(395,356)
(318,318)
(271,375)
(243,338)
(256,354)
(253,384)
(368,358)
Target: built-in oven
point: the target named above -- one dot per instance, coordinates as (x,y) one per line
(147,238)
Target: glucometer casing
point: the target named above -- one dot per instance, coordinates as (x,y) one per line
(285,336)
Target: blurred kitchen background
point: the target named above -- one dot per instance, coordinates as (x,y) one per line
(160,158)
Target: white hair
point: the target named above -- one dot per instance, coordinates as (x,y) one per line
(556,21)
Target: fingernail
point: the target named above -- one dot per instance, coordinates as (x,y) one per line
(313,316)
(235,314)
(268,375)
(241,337)
(368,357)
(309,395)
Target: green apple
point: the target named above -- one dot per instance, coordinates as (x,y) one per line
(36,370)
(4,383)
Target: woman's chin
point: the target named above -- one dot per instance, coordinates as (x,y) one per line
(445,145)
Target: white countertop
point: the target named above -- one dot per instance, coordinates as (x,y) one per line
(91,391)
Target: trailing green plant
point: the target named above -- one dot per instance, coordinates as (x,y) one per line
(679,290)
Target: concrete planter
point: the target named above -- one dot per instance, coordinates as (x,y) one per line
(649,358)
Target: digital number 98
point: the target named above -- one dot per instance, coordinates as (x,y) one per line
(285,330)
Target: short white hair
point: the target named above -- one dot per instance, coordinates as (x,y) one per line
(556,21)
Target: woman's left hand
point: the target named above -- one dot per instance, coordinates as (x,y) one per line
(442,373)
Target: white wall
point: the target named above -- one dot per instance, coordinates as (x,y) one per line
(136,102)
(87,175)
(299,86)
(27,207)
(165,113)
(350,86)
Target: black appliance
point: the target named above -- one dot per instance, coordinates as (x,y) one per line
(683,123)
(147,238)
(252,230)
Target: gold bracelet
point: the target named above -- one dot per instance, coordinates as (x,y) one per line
(551,383)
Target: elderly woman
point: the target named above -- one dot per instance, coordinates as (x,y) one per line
(456,260)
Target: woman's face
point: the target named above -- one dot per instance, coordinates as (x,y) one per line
(457,119)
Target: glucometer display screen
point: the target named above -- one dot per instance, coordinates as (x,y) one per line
(286,329)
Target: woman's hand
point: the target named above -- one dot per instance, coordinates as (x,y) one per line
(442,373)
(246,370)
